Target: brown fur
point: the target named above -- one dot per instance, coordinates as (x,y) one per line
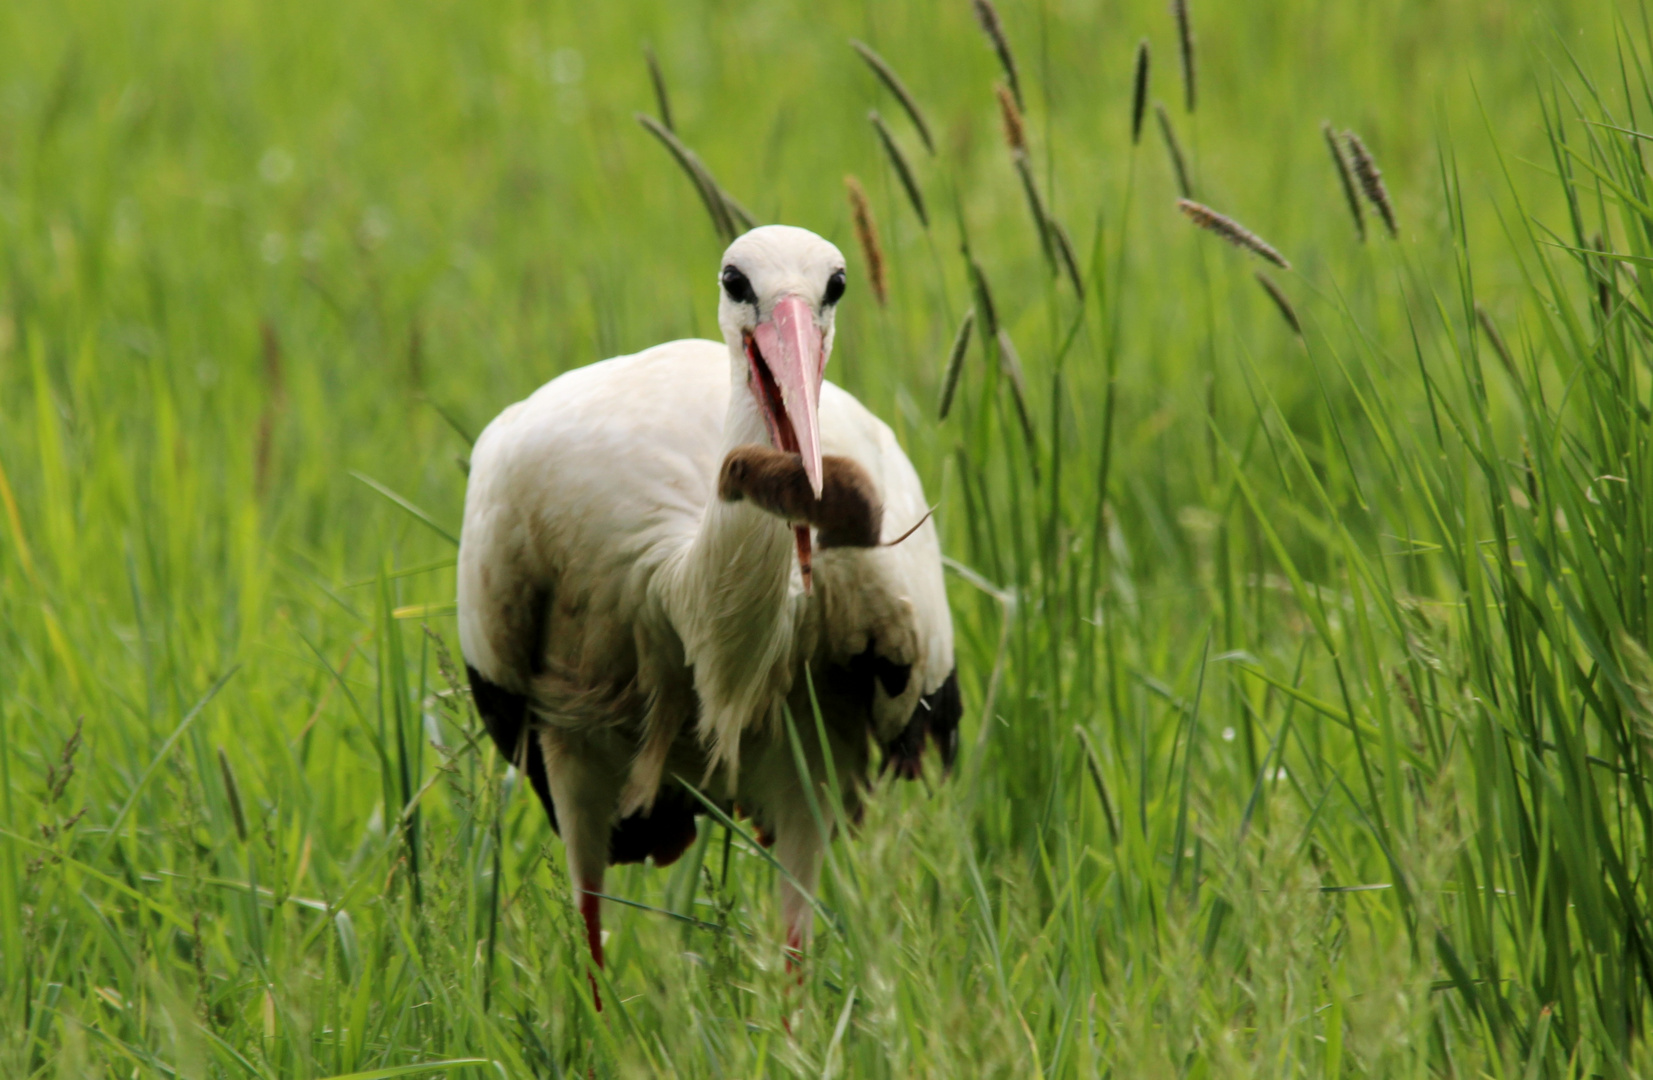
(849,512)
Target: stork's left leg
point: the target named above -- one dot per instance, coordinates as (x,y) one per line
(585,791)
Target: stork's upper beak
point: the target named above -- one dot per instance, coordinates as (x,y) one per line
(788,362)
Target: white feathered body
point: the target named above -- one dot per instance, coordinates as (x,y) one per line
(655,631)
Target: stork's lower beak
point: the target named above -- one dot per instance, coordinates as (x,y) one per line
(789,346)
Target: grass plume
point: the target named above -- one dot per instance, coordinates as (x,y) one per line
(1185,46)
(1601,268)
(866,235)
(903,170)
(1371,180)
(1287,312)
(1139,92)
(1015,131)
(892,82)
(1064,250)
(232,793)
(984,299)
(1232,231)
(955,363)
(729,218)
(1173,148)
(1496,340)
(1010,362)
(1035,204)
(662,101)
(988,16)
(1344,178)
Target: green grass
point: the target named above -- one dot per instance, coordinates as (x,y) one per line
(1310,710)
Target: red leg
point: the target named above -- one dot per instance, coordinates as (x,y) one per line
(592,911)
(795,952)
(794,963)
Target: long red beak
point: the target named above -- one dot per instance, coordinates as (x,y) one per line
(790,347)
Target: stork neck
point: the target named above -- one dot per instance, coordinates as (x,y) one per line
(730,596)
(739,538)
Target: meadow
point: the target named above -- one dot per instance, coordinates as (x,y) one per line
(1303,633)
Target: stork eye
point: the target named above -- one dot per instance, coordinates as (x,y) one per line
(834,289)
(738,288)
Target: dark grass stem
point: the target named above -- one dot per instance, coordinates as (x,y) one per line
(719,206)
(1185,46)
(1287,312)
(903,170)
(1035,205)
(1010,362)
(1064,249)
(892,82)
(232,793)
(1179,166)
(662,100)
(1139,94)
(1496,340)
(955,363)
(988,16)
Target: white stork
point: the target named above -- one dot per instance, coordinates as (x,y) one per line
(657,546)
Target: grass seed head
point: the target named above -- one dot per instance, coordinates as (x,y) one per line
(955,363)
(866,234)
(232,791)
(1344,177)
(1015,132)
(717,202)
(1371,180)
(59,775)
(1064,249)
(984,300)
(1011,364)
(1404,685)
(1601,268)
(1287,312)
(1174,149)
(1496,340)
(1232,231)
(661,100)
(1139,96)
(903,170)
(1185,44)
(892,82)
(988,16)
(1035,205)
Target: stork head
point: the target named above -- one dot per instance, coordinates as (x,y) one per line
(779,287)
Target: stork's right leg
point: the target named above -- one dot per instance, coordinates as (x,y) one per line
(586,792)
(799,847)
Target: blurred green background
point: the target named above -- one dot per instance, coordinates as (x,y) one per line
(1232,629)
